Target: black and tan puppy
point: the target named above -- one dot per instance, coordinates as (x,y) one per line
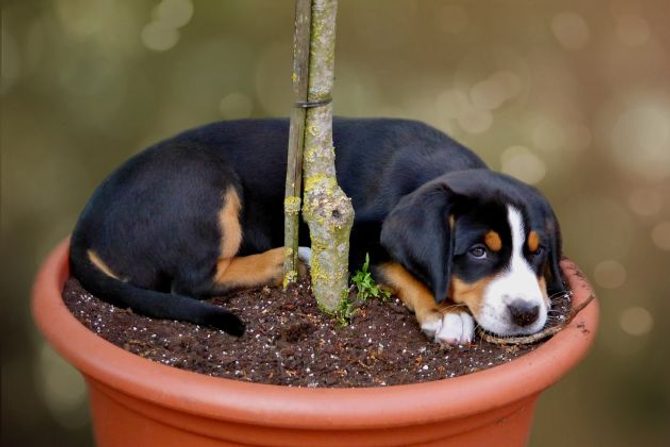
(201,213)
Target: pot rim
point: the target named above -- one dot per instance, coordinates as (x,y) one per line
(310,408)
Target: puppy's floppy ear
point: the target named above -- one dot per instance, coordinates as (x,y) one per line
(553,275)
(417,234)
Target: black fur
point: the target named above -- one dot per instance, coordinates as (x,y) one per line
(154,220)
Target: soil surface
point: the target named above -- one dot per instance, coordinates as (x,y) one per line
(288,341)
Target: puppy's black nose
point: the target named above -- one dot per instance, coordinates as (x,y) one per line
(523,312)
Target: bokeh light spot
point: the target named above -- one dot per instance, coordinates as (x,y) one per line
(610,274)
(235,105)
(509,82)
(548,135)
(660,235)
(474,120)
(571,30)
(157,37)
(81,18)
(173,13)
(641,136)
(452,103)
(487,95)
(63,389)
(632,30)
(520,162)
(645,202)
(636,321)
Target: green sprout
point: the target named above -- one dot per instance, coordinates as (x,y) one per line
(366,285)
(345,312)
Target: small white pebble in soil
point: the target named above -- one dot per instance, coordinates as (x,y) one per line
(425,367)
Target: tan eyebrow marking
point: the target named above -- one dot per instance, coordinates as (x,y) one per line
(533,241)
(493,241)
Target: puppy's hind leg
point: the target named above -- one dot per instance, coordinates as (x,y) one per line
(250,271)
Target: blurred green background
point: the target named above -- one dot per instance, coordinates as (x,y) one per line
(572,96)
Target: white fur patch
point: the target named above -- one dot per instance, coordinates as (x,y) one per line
(431,327)
(458,328)
(517,282)
(305,255)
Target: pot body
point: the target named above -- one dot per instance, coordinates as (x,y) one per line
(138,402)
(121,420)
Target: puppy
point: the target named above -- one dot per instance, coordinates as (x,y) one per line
(201,213)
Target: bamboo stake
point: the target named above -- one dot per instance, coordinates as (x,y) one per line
(301,43)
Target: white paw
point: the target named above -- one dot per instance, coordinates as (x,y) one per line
(431,327)
(457,328)
(305,255)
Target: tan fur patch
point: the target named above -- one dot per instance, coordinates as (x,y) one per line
(100,264)
(414,294)
(252,270)
(471,294)
(493,241)
(229,222)
(543,288)
(533,241)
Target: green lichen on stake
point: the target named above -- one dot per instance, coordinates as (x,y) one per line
(290,276)
(292,205)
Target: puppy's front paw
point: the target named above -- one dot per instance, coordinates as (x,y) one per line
(305,255)
(457,328)
(432,324)
(304,261)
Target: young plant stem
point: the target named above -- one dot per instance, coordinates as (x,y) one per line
(327,210)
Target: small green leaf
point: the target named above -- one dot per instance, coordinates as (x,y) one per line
(366,285)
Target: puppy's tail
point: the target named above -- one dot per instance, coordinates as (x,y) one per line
(147,302)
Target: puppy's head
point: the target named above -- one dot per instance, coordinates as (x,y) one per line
(482,239)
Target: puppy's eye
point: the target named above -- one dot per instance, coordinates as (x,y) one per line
(478,251)
(539,251)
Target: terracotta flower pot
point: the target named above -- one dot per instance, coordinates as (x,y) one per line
(137,402)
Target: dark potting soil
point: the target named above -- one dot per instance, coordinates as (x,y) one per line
(288,341)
